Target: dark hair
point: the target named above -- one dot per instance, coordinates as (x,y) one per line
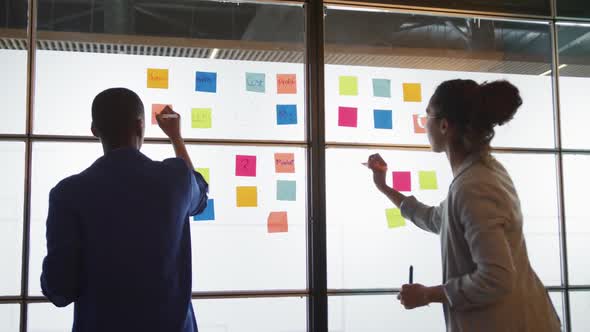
(115,112)
(475,109)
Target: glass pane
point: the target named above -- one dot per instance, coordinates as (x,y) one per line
(382,68)
(573,8)
(574,77)
(377,313)
(557,299)
(579,308)
(9,317)
(255,314)
(576,184)
(45,317)
(12,182)
(13,65)
(234,69)
(361,237)
(277,252)
(531,7)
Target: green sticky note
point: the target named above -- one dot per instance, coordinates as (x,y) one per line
(381,87)
(394,218)
(201,118)
(428,180)
(286,190)
(205,173)
(348,86)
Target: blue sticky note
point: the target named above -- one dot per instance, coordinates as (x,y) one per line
(208,213)
(286,190)
(381,87)
(383,119)
(286,114)
(255,82)
(206,82)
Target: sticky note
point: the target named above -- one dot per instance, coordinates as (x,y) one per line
(157,78)
(286,190)
(245,165)
(402,181)
(419,124)
(205,173)
(277,222)
(412,92)
(156,109)
(246,196)
(347,116)
(206,82)
(286,114)
(286,83)
(383,119)
(255,82)
(394,218)
(381,88)
(348,86)
(201,118)
(284,163)
(428,180)
(208,213)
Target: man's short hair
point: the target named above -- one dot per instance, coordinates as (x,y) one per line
(115,112)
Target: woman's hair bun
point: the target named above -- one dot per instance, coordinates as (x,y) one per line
(500,101)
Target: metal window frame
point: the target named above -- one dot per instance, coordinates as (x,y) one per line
(317,292)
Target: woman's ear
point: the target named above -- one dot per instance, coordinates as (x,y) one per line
(444,126)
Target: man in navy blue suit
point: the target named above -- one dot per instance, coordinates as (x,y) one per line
(118,234)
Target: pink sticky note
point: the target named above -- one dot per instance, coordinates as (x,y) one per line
(284,163)
(402,181)
(347,116)
(245,165)
(156,109)
(277,222)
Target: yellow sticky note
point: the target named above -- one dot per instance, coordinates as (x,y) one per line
(246,197)
(205,173)
(201,118)
(428,180)
(157,78)
(348,86)
(394,218)
(412,92)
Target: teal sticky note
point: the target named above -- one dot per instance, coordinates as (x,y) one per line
(255,82)
(428,180)
(381,88)
(286,190)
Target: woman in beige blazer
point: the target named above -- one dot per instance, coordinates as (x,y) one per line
(488,283)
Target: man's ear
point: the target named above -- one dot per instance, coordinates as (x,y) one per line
(139,127)
(94,131)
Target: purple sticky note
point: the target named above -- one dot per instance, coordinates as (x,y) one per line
(347,116)
(402,181)
(245,165)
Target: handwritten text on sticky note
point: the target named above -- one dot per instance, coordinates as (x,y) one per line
(286,114)
(286,83)
(246,196)
(206,82)
(255,82)
(277,222)
(245,165)
(201,118)
(284,163)
(157,109)
(157,78)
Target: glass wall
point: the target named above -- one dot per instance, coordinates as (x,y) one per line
(237,74)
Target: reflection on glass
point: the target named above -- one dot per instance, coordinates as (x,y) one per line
(12,179)
(219,64)
(574,77)
(573,8)
(13,65)
(382,68)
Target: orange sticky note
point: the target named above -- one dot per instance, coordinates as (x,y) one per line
(157,78)
(277,222)
(156,109)
(246,196)
(419,124)
(284,163)
(413,92)
(286,83)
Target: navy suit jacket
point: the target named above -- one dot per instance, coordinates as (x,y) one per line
(119,245)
